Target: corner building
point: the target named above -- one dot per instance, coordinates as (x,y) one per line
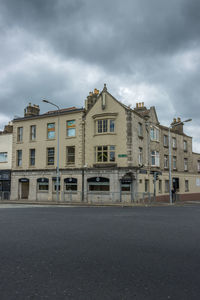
(108,153)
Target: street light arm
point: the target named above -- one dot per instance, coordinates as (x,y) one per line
(47,101)
(182,122)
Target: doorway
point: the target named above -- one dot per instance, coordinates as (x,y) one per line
(24,190)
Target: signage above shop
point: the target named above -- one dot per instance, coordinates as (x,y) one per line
(23,180)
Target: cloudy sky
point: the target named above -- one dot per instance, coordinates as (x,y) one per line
(145,50)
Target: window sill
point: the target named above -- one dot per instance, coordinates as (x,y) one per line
(70,137)
(49,140)
(32,141)
(18,142)
(155,141)
(3,162)
(104,133)
(70,165)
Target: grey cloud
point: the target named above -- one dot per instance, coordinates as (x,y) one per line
(130,42)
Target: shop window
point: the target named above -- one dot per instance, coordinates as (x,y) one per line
(71,184)
(126,187)
(43,184)
(71,128)
(51,131)
(98,184)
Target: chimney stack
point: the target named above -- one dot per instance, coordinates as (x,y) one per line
(31,110)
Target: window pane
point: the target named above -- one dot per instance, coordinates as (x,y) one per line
(105,125)
(99,126)
(112,125)
(71,154)
(50,153)
(3,157)
(71,128)
(51,130)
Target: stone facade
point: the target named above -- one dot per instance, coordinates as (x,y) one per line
(109,156)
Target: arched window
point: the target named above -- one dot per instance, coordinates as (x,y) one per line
(99,184)
(70,184)
(43,184)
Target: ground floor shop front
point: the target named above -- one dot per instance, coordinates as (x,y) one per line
(5,179)
(117,185)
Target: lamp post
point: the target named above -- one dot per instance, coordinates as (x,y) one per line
(170,157)
(58,144)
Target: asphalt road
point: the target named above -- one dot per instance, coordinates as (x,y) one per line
(100,253)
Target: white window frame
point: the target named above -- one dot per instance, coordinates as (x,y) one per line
(3,157)
(174,143)
(166,161)
(154,133)
(108,151)
(105,126)
(174,162)
(156,157)
(165,140)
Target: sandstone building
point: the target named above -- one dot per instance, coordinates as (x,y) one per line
(108,152)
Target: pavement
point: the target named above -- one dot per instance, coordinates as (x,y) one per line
(61,252)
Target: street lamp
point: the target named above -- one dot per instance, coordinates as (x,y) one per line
(58,143)
(170,155)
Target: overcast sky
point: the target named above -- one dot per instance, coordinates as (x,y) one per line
(145,50)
